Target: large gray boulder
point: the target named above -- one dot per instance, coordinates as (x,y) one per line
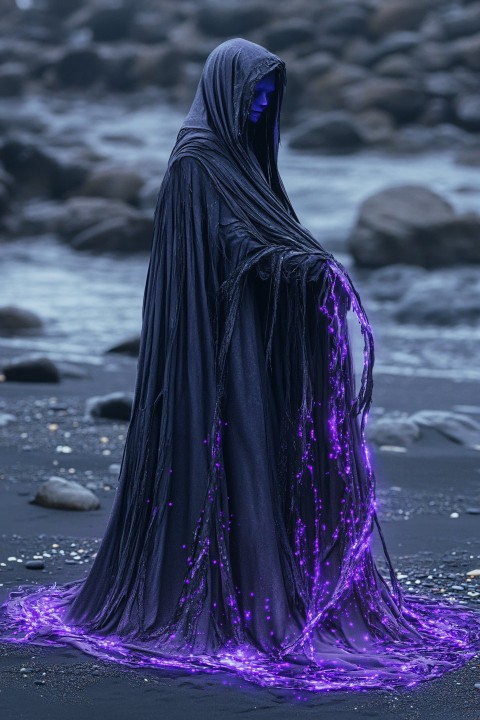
(116,235)
(284,35)
(467,50)
(34,368)
(130,346)
(325,89)
(113,406)
(15,320)
(462,20)
(62,494)
(37,170)
(403,98)
(399,42)
(345,19)
(390,283)
(399,15)
(109,23)
(393,430)
(458,427)
(222,19)
(444,298)
(91,223)
(414,225)
(79,67)
(13,77)
(401,430)
(113,181)
(467,111)
(333,132)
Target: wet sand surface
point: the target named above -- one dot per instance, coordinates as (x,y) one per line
(417,491)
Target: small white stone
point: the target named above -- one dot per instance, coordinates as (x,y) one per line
(393,448)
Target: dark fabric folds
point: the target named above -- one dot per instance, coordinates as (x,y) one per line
(240,536)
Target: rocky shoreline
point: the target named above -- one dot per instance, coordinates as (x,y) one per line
(362,75)
(385,67)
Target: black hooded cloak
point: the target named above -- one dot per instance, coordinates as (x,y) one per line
(240,533)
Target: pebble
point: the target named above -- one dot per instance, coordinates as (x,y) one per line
(35,564)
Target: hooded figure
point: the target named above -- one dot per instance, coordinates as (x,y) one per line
(240,533)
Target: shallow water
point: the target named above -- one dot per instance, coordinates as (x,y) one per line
(90,303)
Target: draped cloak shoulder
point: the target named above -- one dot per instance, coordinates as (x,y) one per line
(240,534)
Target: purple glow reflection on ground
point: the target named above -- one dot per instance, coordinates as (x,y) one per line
(449,640)
(410,638)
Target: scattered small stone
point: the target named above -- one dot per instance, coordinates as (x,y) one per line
(35,564)
(114,406)
(130,346)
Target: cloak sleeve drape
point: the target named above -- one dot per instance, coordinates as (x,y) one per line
(273,317)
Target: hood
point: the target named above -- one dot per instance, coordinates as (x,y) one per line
(224,95)
(226,86)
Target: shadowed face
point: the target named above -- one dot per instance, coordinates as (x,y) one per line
(263,91)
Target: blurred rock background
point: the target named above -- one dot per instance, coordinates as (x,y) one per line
(381,66)
(380,154)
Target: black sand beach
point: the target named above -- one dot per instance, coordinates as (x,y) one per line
(417,491)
